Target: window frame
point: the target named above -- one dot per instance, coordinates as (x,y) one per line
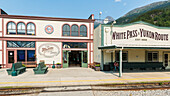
(86,30)
(69,28)
(75,31)
(16,28)
(21,28)
(152,52)
(13,29)
(117,52)
(34,28)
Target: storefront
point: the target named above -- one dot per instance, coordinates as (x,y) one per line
(135,46)
(31,39)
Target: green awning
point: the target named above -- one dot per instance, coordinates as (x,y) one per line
(118,47)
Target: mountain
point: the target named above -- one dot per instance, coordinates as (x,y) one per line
(107,20)
(130,16)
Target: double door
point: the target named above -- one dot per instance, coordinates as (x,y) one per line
(67,60)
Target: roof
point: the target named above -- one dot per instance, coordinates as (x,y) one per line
(3,14)
(135,47)
(138,22)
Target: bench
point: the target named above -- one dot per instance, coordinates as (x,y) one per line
(30,64)
(18,67)
(95,66)
(41,69)
(92,65)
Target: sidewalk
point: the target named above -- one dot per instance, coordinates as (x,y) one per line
(78,76)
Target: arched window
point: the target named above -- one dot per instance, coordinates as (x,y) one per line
(11,28)
(30,29)
(66,30)
(83,30)
(20,28)
(74,30)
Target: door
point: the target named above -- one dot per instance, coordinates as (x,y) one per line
(84,58)
(65,59)
(166,59)
(11,57)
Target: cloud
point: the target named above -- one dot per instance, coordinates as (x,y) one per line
(124,4)
(118,0)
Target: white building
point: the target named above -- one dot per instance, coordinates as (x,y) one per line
(30,39)
(140,45)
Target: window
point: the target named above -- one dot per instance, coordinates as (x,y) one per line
(20,44)
(83,30)
(11,28)
(124,56)
(66,30)
(152,56)
(74,30)
(30,55)
(20,55)
(74,45)
(20,28)
(30,29)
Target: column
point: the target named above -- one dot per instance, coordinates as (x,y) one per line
(102,60)
(120,64)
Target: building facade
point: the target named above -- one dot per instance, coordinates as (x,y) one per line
(31,39)
(135,43)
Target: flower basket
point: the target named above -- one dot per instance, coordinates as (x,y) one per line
(97,67)
(58,65)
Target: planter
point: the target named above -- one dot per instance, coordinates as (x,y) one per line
(97,68)
(58,65)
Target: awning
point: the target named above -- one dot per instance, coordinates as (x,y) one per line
(135,47)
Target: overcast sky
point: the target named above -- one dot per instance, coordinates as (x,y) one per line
(72,8)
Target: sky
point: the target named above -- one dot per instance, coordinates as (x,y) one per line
(72,8)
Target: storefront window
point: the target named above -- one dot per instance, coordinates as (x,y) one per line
(30,55)
(20,55)
(152,56)
(124,56)
(74,45)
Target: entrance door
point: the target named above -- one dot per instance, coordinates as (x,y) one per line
(11,57)
(166,59)
(65,59)
(75,59)
(84,59)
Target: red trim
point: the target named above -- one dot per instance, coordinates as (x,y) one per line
(2,52)
(21,48)
(46,18)
(46,39)
(2,27)
(34,25)
(90,30)
(61,55)
(7,27)
(2,41)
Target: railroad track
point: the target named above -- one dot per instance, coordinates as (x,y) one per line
(74,88)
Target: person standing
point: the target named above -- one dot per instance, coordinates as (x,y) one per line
(116,65)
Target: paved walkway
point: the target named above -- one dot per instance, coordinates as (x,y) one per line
(77,76)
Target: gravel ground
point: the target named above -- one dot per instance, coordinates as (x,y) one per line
(165,92)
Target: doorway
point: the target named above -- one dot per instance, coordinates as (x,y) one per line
(75,59)
(10,56)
